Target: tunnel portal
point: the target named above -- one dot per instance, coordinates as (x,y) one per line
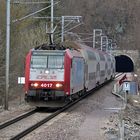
(124,64)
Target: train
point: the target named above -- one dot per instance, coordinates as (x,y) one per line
(57,74)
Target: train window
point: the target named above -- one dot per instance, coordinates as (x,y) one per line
(39,62)
(56,62)
(48,61)
(102,57)
(91,55)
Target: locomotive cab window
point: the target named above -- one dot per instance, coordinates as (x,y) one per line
(38,62)
(47,61)
(55,62)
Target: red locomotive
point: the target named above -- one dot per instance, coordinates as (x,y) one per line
(54,76)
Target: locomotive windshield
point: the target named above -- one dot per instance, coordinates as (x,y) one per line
(50,61)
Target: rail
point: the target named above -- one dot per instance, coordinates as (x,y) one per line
(12,121)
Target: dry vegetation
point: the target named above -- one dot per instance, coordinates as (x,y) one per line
(24,36)
(120,19)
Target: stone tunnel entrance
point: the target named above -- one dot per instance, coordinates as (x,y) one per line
(124,64)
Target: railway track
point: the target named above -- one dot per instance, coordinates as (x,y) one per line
(45,119)
(14,120)
(41,122)
(29,130)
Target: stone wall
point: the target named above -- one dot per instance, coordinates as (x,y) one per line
(133,54)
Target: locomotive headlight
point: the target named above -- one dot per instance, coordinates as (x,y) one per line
(58,85)
(47,72)
(36,84)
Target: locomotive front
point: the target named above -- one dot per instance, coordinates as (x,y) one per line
(44,77)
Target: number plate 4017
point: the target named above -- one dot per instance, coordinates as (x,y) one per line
(47,85)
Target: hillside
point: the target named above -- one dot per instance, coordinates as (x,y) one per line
(120,19)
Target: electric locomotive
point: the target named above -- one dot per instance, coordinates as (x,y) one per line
(52,76)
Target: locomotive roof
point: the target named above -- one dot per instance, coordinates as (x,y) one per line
(47,51)
(61,46)
(72,45)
